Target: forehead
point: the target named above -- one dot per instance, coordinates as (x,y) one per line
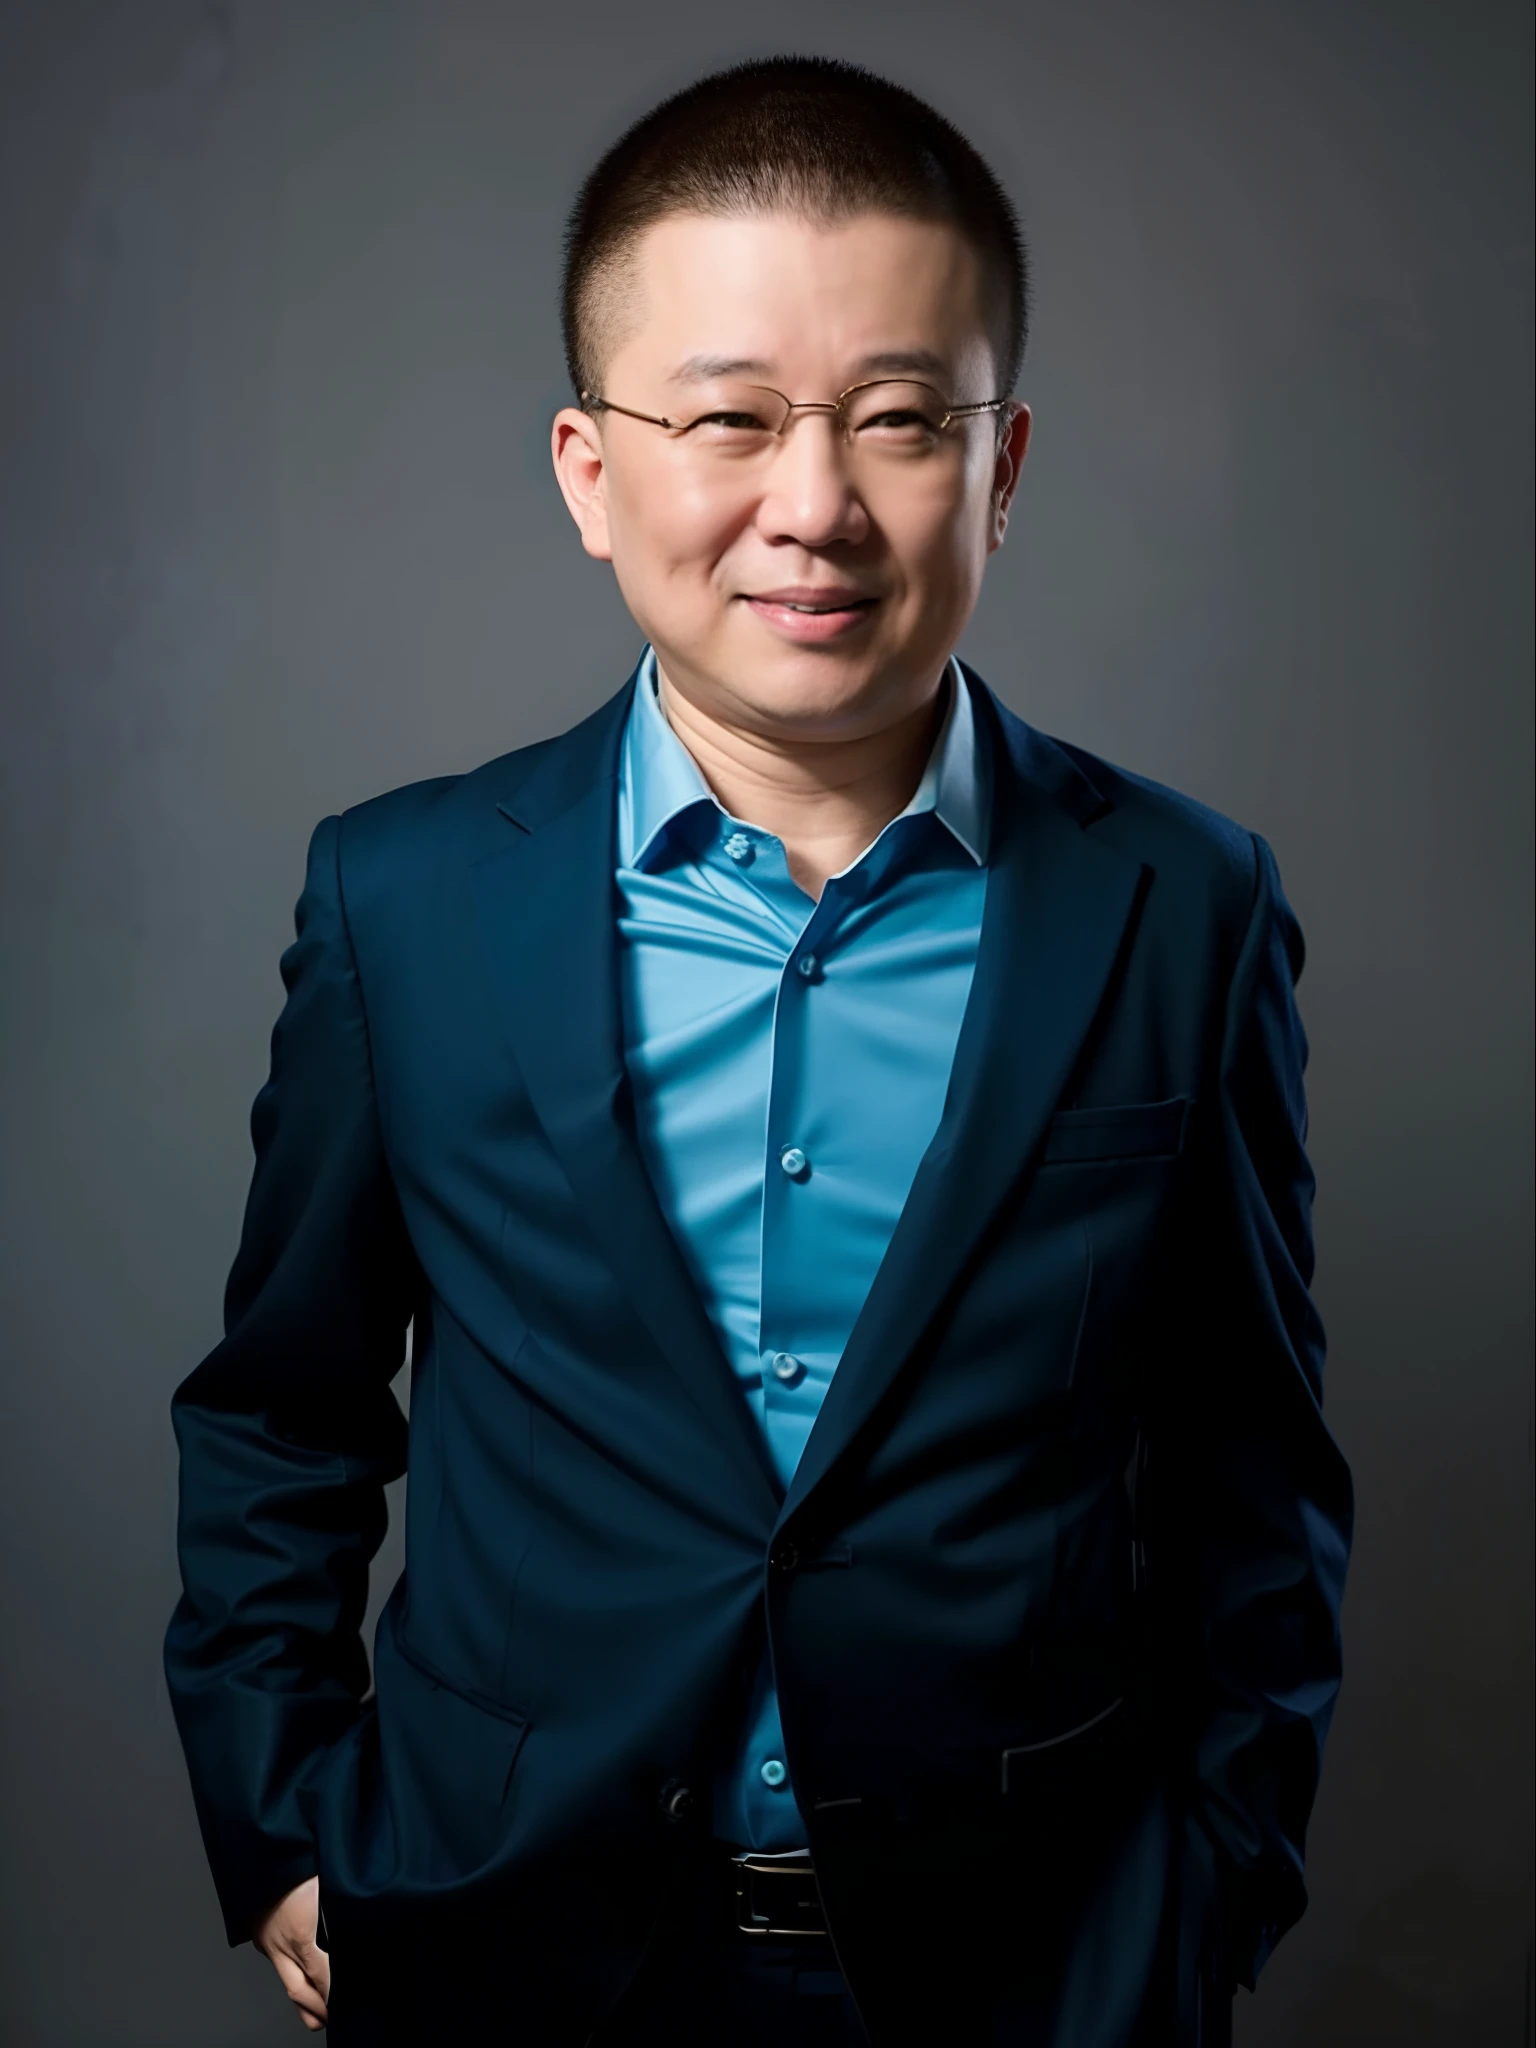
(786,295)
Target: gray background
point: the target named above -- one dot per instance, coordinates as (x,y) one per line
(277,355)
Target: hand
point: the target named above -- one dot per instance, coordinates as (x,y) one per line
(286,1936)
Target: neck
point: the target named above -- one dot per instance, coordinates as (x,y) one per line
(825,800)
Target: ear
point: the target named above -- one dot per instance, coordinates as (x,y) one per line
(1011,449)
(576,447)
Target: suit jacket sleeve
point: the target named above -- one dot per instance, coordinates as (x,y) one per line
(1247,1500)
(288,1431)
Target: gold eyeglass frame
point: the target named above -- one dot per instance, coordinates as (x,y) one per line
(593,399)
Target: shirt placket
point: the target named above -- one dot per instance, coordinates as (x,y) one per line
(790,1396)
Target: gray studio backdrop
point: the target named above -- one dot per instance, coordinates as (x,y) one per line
(278,350)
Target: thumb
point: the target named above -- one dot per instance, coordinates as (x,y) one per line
(315,1963)
(301,1989)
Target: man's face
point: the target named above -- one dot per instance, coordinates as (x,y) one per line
(808,586)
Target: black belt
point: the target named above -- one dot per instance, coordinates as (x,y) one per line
(775,1894)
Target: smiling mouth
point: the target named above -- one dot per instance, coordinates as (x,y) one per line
(811,617)
(814,607)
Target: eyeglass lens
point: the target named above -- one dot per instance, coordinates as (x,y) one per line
(894,414)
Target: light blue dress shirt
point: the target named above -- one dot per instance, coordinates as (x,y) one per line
(788,1061)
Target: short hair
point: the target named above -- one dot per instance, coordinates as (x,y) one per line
(807,135)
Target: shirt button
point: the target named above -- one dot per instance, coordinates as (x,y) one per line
(739,847)
(808,966)
(793,1161)
(773,1773)
(676,1801)
(786,1367)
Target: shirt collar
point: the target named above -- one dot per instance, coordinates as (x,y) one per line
(659,779)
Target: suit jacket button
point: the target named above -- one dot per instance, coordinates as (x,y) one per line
(676,1800)
(785,1558)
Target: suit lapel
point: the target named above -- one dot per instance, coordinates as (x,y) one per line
(545,906)
(1057,906)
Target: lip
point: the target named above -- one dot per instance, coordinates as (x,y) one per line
(809,612)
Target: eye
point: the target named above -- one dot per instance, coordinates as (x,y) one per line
(730,423)
(900,423)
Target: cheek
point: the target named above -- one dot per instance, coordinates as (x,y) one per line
(940,545)
(663,525)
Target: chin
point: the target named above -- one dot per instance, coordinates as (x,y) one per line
(811,695)
(810,686)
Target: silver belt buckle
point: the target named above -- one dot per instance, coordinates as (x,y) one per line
(776,1893)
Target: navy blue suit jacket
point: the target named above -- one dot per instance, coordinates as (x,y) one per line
(1053,1598)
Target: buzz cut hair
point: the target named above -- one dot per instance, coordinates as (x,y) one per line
(809,136)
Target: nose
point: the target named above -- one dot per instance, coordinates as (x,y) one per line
(810,495)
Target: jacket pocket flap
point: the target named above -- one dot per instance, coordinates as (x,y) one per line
(487,1702)
(1121,1130)
(1023,1759)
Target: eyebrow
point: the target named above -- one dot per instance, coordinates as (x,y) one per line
(905,362)
(699,369)
(901,362)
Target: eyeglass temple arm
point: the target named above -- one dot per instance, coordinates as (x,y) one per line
(655,419)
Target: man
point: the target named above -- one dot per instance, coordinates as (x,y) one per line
(873,1549)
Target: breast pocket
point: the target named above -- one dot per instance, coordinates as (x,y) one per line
(1117,1130)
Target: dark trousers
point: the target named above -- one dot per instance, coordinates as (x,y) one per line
(705,1984)
(702,1983)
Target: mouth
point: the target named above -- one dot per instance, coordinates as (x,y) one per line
(807,614)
